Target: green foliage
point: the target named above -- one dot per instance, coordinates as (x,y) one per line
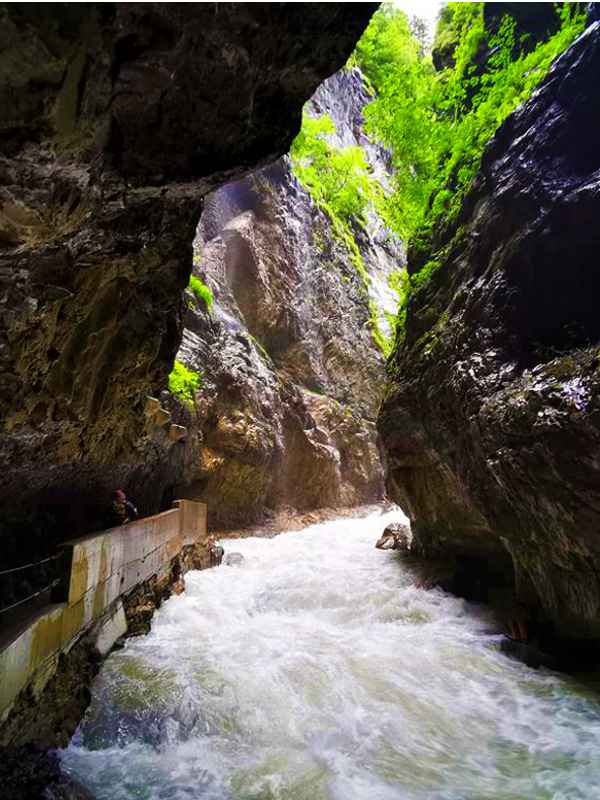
(184,382)
(339,182)
(387,46)
(437,124)
(450,23)
(337,178)
(404,288)
(397,281)
(401,115)
(409,285)
(201,291)
(420,278)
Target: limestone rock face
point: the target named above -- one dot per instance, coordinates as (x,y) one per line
(291,375)
(492,417)
(116,120)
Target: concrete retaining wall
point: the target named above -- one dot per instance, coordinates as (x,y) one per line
(102,568)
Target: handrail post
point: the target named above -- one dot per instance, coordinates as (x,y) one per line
(60,592)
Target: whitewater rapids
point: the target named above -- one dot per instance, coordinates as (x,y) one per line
(316,670)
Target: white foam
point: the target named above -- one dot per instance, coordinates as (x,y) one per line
(316,669)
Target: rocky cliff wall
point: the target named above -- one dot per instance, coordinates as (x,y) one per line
(491,419)
(116,120)
(291,375)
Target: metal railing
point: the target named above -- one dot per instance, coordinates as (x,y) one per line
(54,580)
(50,586)
(26,566)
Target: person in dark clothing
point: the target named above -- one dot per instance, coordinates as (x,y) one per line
(122,509)
(215,551)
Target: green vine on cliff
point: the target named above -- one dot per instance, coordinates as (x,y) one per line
(201,291)
(437,123)
(340,183)
(184,382)
(337,178)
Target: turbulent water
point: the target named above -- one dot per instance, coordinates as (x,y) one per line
(317,669)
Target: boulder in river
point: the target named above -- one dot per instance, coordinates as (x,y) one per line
(395,537)
(233,559)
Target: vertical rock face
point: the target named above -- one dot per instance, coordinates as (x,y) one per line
(116,119)
(491,420)
(291,375)
(343,97)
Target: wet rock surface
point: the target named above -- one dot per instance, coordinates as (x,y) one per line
(491,420)
(291,375)
(395,537)
(116,120)
(233,559)
(28,773)
(51,722)
(42,721)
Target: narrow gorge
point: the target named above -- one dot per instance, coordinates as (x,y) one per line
(286,339)
(277,279)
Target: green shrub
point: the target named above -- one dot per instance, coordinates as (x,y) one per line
(184,382)
(420,278)
(201,291)
(437,124)
(407,285)
(337,178)
(339,182)
(383,342)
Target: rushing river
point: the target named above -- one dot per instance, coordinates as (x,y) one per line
(317,669)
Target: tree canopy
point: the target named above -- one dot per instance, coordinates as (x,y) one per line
(437,122)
